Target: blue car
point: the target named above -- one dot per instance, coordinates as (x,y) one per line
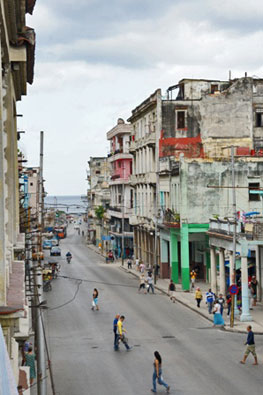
(47,244)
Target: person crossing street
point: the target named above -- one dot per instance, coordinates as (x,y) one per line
(121,333)
(251,348)
(115,331)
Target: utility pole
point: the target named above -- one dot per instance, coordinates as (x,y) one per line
(234,310)
(41,358)
(41,190)
(122,226)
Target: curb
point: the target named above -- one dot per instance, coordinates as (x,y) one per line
(225,329)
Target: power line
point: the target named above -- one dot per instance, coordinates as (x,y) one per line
(69,301)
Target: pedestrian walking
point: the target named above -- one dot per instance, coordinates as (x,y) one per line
(115,331)
(198,296)
(30,361)
(254,285)
(171,291)
(250,296)
(121,333)
(218,319)
(137,264)
(142,267)
(193,277)
(129,263)
(251,348)
(210,298)
(228,302)
(157,373)
(142,283)
(150,283)
(95,297)
(221,301)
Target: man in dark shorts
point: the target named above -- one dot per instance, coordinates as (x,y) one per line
(251,348)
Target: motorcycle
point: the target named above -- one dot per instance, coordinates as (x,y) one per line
(47,286)
(69,258)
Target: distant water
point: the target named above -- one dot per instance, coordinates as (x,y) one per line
(72,204)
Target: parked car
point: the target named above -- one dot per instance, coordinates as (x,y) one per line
(55,242)
(55,251)
(47,244)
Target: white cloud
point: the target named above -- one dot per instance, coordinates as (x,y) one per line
(84,82)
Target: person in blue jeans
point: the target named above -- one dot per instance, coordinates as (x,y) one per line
(210,298)
(157,373)
(115,331)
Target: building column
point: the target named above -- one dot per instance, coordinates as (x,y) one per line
(213,268)
(185,257)
(222,271)
(258,274)
(174,257)
(245,316)
(2,202)
(231,268)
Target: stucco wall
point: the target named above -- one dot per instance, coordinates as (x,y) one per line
(198,202)
(228,114)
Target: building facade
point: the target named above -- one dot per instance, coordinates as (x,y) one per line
(144,146)
(121,193)
(17,65)
(200,125)
(98,197)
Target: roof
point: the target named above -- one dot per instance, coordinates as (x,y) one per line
(30,4)
(201,80)
(28,37)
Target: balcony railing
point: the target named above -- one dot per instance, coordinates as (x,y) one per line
(171,218)
(118,209)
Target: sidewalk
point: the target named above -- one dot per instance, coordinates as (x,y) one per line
(188,300)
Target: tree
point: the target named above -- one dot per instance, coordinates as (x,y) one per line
(99,212)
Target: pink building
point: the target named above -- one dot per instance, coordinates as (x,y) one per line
(121,193)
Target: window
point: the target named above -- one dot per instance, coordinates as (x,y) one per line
(97,171)
(31,184)
(214,88)
(119,164)
(252,196)
(259,122)
(180,119)
(131,197)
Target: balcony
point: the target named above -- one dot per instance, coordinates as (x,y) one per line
(171,219)
(132,147)
(117,212)
(119,155)
(149,139)
(147,178)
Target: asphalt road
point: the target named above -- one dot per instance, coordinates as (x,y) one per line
(197,359)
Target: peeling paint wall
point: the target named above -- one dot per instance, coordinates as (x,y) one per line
(229,114)
(198,202)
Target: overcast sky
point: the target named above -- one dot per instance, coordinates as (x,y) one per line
(98,59)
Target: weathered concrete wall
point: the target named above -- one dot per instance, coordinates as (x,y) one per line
(198,202)
(169,121)
(195,89)
(228,114)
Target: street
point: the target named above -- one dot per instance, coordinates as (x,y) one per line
(197,359)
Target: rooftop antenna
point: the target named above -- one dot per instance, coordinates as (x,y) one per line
(229,75)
